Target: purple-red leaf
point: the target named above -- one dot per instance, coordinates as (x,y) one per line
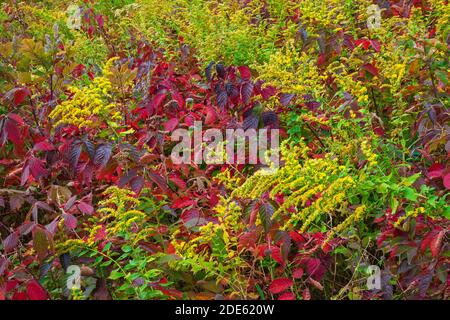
(137,184)
(246,91)
(70,221)
(280,285)
(74,155)
(85,208)
(12,131)
(102,154)
(11,242)
(37,168)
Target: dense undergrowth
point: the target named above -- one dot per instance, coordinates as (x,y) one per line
(87,107)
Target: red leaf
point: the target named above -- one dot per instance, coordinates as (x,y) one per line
(306,294)
(99,19)
(365,43)
(370,68)
(244,72)
(321,59)
(101,234)
(11,285)
(436,170)
(248,239)
(180,183)
(4,263)
(190,214)
(37,168)
(171,124)
(13,132)
(182,203)
(18,119)
(43,146)
(376,45)
(210,116)
(20,95)
(287,296)
(276,255)
(280,285)
(85,208)
(25,175)
(11,242)
(19,296)
(158,100)
(136,184)
(178,98)
(313,266)
(297,273)
(315,283)
(378,131)
(70,221)
(446,180)
(435,244)
(160,181)
(35,291)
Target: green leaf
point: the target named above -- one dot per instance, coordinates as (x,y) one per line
(260,292)
(410,194)
(447,212)
(127,248)
(106,263)
(410,180)
(107,247)
(116,275)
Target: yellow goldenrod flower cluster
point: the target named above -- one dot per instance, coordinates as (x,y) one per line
(117,210)
(393,70)
(312,188)
(117,215)
(368,153)
(91,105)
(230,182)
(292,71)
(215,249)
(345,72)
(323,15)
(356,216)
(441,10)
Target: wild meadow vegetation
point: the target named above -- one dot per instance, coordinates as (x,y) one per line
(91,91)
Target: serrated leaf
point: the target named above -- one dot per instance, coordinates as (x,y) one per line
(74,155)
(270,118)
(90,148)
(266,211)
(222,99)
(246,91)
(102,154)
(220,69)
